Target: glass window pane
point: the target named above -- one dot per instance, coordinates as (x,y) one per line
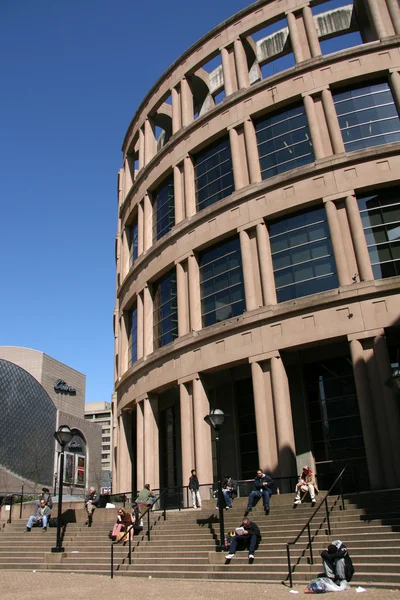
(163,209)
(165,312)
(213,173)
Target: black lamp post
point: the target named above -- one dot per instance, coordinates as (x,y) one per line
(215,420)
(63,435)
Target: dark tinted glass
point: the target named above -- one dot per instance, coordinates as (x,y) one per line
(165,314)
(133,337)
(213,173)
(133,242)
(163,210)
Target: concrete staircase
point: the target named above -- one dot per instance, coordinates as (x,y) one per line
(184,546)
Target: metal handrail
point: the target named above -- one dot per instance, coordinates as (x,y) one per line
(128,532)
(307,525)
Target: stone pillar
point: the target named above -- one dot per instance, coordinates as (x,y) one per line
(266,266)
(186,103)
(283,419)
(242,70)
(294,37)
(227,71)
(248,272)
(124,445)
(147,321)
(140,219)
(190,200)
(366,415)
(394,11)
(139,446)
(253,160)
(182,299)
(140,331)
(194,293)
(176,110)
(395,85)
(141,148)
(187,433)
(376,17)
(202,433)
(337,243)
(314,126)
(389,402)
(265,419)
(311,32)
(332,122)
(151,450)
(358,238)
(149,142)
(178,195)
(147,222)
(237,163)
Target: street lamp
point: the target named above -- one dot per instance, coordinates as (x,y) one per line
(63,435)
(215,420)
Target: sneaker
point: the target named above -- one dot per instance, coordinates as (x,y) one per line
(27,530)
(228,507)
(247,511)
(267,511)
(251,556)
(313,503)
(44,529)
(229,556)
(297,502)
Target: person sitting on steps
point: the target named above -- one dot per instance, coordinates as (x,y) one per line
(92,501)
(306,484)
(262,488)
(337,563)
(247,536)
(40,517)
(229,491)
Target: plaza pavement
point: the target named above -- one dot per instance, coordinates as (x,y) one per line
(21,585)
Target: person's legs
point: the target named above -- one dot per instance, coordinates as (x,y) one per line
(329,568)
(89,507)
(227,497)
(340,569)
(237,540)
(298,490)
(31,520)
(266,497)
(198,498)
(251,500)
(253,544)
(193,498)
(311,491)
(44,522)
(116,529)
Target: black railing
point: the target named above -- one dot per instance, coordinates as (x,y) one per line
(128,533)
(324,502)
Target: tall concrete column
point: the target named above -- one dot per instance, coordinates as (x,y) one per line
(140,330)
(265,419)
(176,110)
(314,126)
(149,141)
(311,32)
(194,293)
(332,122)
(147,222)
(178,195)
(358,238)
(182,299)
(186,103)
(394,11)
(140,219)
(376,17)
(242,70)
(147,321)
(190,200)
(187,432)
(366,415)
(389,402)
(140,446)
(202,433)
(337,243)
(395,85)
(141,148)
(294,37)
(151,446)
(125,442)
(248,271)
(237,163)
(253,160)
(266,266)
(227,71)
(283,418)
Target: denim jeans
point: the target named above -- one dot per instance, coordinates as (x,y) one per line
(34,519)
(227,496)
(265,493)
(244,541)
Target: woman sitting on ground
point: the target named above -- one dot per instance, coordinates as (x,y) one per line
(124,521)
(146,497)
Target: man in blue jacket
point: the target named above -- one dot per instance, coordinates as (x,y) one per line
(262,488)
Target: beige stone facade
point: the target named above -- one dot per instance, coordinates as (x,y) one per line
(295,344)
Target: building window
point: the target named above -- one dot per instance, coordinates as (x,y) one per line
(163,209)
(380,215)
(105,431)
(132,348)
(367,116)
(283,141)
(105,456)
(165,314)
(213,173)
(302,255)
(105,439)
(221,282)
(106,447)
(133,242)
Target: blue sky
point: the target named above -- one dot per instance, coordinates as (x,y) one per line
(72,74)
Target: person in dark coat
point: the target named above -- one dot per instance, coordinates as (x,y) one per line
(337,563)
(92,501)
(194,487)
(247,536)
(262,488)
